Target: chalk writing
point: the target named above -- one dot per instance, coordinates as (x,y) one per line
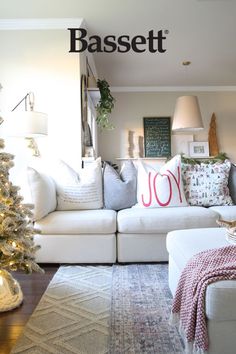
(157,141)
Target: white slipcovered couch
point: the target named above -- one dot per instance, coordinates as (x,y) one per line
(106,236)
(130,235)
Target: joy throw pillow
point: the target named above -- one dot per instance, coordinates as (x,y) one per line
(79,191)
(160,187)
(206,184)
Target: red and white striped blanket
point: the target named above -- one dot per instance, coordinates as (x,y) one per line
(188,309)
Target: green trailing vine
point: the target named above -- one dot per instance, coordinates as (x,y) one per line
(105,105)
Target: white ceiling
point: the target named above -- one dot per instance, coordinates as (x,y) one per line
(202,31)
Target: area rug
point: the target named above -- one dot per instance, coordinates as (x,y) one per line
(73,314)
(120,309)
(141,303)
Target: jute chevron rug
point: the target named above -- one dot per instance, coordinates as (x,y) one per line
(103,309)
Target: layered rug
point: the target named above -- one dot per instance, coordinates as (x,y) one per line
(120,309)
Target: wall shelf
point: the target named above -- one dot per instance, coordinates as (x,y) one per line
(141,158)
(153,161)
(164,158)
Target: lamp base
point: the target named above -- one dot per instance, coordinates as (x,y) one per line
(10,292)
(33,146)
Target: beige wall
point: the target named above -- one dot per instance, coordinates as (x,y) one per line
(38,61)
(130,108)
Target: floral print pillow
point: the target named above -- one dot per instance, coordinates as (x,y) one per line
(206,184)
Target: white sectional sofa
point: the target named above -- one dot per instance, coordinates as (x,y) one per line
(97,235)
(130,235)
(139,234)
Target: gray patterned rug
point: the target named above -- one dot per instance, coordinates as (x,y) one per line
(101,310)
(141,303)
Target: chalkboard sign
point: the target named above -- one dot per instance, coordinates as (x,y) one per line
(157,137)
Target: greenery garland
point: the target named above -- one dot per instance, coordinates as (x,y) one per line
(105,105)
(219,158)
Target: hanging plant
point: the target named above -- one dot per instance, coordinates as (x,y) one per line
(105,105)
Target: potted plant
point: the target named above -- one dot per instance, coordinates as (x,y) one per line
(105,105)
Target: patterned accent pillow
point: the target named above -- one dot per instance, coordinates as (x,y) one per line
(206,184)
(120,190)
(160,187)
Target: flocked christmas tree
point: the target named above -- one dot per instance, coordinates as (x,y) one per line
(17,249)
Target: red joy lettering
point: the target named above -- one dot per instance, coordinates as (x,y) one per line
(155,191)
(177,182)
(150,192)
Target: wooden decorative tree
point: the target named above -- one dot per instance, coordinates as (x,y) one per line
(212,137)
(17,247)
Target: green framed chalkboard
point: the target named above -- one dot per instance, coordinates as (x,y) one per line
(157,140)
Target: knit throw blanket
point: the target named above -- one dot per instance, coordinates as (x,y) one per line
(188,309)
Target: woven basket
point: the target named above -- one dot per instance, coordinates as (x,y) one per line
(231,237)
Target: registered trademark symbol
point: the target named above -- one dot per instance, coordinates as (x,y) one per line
(166,32)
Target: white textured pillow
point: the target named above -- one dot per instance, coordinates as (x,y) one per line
(43,193)
(79,191)
(160,187)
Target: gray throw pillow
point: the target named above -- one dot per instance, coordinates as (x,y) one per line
(120,189)
(232,183)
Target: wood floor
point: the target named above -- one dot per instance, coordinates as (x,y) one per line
(12,322)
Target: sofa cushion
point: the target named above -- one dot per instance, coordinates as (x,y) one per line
(225,212)
(183,244)
(79,191)
(119,190)
(43,193)
(162,220)
(206,184)
(78,222)
(160,187)
(232,183)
